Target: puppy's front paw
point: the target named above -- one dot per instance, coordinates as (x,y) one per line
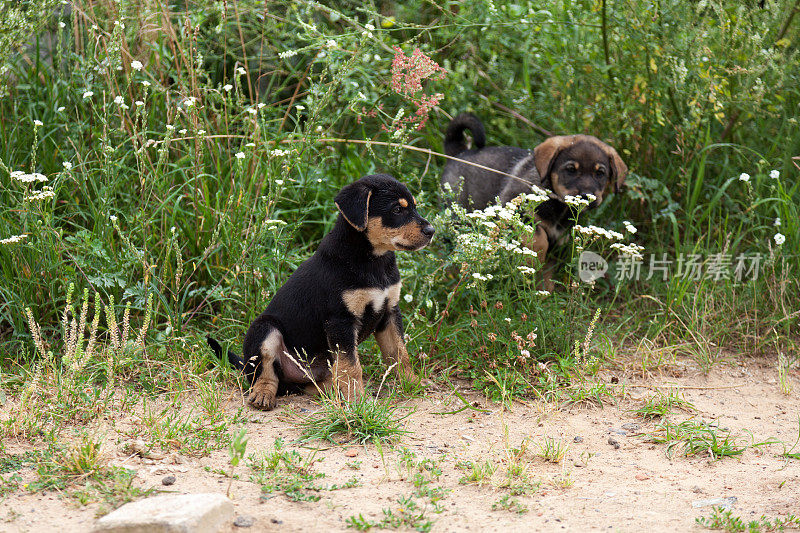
(261,398)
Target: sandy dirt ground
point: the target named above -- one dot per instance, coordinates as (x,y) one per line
(597,486)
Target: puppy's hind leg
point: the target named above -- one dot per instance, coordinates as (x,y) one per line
(265,387)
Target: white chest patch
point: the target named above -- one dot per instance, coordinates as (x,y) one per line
(357,300)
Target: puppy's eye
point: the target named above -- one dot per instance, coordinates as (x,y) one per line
(571,169)
(397,210)
(600,173)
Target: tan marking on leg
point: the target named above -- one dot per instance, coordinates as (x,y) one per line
(263,392)
(347,378)
(393,350)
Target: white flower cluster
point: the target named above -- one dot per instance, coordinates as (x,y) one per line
(633,250)
(45,193)
(774,174)
(577,201)
(780,238)
(287,54)
(597,230)
(27,178)
(279,153)
(744,176)
(482,277)
(526,270)
(629,227)
(13,239)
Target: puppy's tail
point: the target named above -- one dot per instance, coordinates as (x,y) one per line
(235,361)
(454,142)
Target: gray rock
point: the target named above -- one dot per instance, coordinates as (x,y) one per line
(632,427)
(184,513)
(577,439)
(614,442)
(724,503)
(244,521)
(168,480)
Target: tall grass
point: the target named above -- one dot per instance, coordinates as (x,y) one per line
(189,150)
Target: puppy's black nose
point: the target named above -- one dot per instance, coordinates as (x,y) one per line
(428,230)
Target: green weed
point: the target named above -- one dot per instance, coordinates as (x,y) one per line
(661,404)
(725,520)
(361,421)
(510,504)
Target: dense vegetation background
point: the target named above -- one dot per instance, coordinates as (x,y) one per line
(165,167)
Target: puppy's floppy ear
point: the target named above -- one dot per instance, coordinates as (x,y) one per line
(619,170)
(353,203)
(545,153)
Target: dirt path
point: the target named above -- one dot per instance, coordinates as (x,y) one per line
(595,487)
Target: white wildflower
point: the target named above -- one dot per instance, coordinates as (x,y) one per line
(139,103)
(780,238)
(774,174)
(744,176)
(136,65)
(67,165)
(287,54)
(240,71)
(169,127)
(526,269)
(330,43)
(27,178)
(543,293)
(145,83)
(278,182)
(62,24)
(227,87)
(182,131)
(576,201)
(239,155)
(118,100)
(369,26)
(630,227)
(88,94)
(201,132)
(60,109)
(38,123)
(252,110)
(408,297)
(113,218)
(632,249)
(13,239)
(777,222)
(300,107)
(261,105)
(189,102)
(45,193)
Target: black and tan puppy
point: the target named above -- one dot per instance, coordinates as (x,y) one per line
(569,165)
(348,290)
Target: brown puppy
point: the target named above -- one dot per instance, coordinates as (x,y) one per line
(569,165)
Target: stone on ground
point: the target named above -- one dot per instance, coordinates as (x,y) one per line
(184,513)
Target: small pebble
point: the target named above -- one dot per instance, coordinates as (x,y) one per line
(612,441)
(631,426)
(578,439)
(244,521)
(351,452)
(276,521)
(168,480)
